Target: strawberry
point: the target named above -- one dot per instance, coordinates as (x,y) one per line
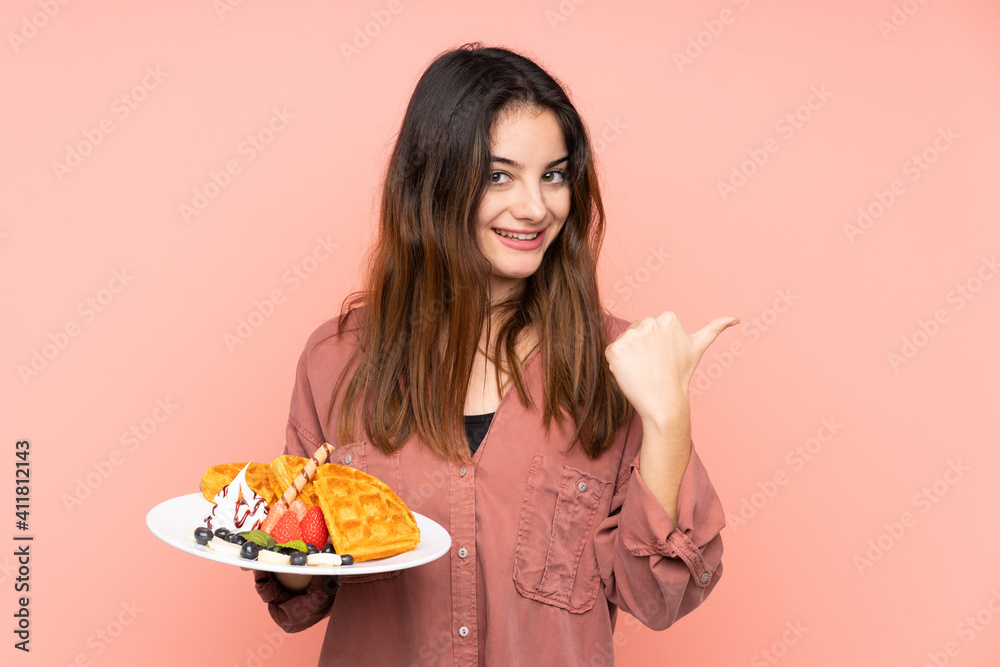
(300,508)
(314,528)
(273,514)
(287,528)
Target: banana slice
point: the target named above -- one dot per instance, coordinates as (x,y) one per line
(268,556)
(323,560)
(224,547)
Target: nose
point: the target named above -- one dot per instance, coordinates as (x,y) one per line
(529,206)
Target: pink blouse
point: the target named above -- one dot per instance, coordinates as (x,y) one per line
(547,545)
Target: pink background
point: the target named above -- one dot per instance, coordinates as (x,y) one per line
(820,442)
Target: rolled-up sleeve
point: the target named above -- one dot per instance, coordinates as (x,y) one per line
(294,612)
(652,569)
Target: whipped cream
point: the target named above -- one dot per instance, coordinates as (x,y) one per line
(237,506)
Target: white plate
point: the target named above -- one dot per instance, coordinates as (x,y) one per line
(173,519)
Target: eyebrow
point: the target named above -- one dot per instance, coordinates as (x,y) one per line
(514,163)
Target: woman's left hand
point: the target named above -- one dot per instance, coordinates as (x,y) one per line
(654,359)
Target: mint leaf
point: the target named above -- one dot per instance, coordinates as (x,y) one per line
(258,537)
(295,544)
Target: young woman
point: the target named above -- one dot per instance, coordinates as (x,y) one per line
(478,376)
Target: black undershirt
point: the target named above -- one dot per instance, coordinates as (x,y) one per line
(476,427)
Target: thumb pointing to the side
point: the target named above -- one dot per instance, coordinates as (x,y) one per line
(704,337)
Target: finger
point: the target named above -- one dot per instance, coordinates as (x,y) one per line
(642,321)
(666,317)
(704,337)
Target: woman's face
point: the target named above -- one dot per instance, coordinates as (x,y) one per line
(528,195)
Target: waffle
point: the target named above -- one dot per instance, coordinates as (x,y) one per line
(220,475)
(282,474)
(364,516)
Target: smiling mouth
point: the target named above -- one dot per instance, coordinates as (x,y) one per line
(515,235)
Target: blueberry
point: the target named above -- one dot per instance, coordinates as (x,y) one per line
(328,549)
(221,533)
(202,535)
(298,558)
(311,549)
(347,559)
(249,551)
(235,538)
(288,551)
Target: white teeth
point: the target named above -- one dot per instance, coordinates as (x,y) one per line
(514,235)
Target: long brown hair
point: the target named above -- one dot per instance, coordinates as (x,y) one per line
(426,295)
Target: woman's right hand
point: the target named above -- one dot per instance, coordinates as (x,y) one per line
(296,583)
(293,582)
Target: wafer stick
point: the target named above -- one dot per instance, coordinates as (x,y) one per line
(306,474)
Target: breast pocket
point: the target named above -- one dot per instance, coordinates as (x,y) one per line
(362,456)
(352,454)
(555,561)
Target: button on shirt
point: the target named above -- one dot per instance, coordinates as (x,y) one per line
(547,544)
